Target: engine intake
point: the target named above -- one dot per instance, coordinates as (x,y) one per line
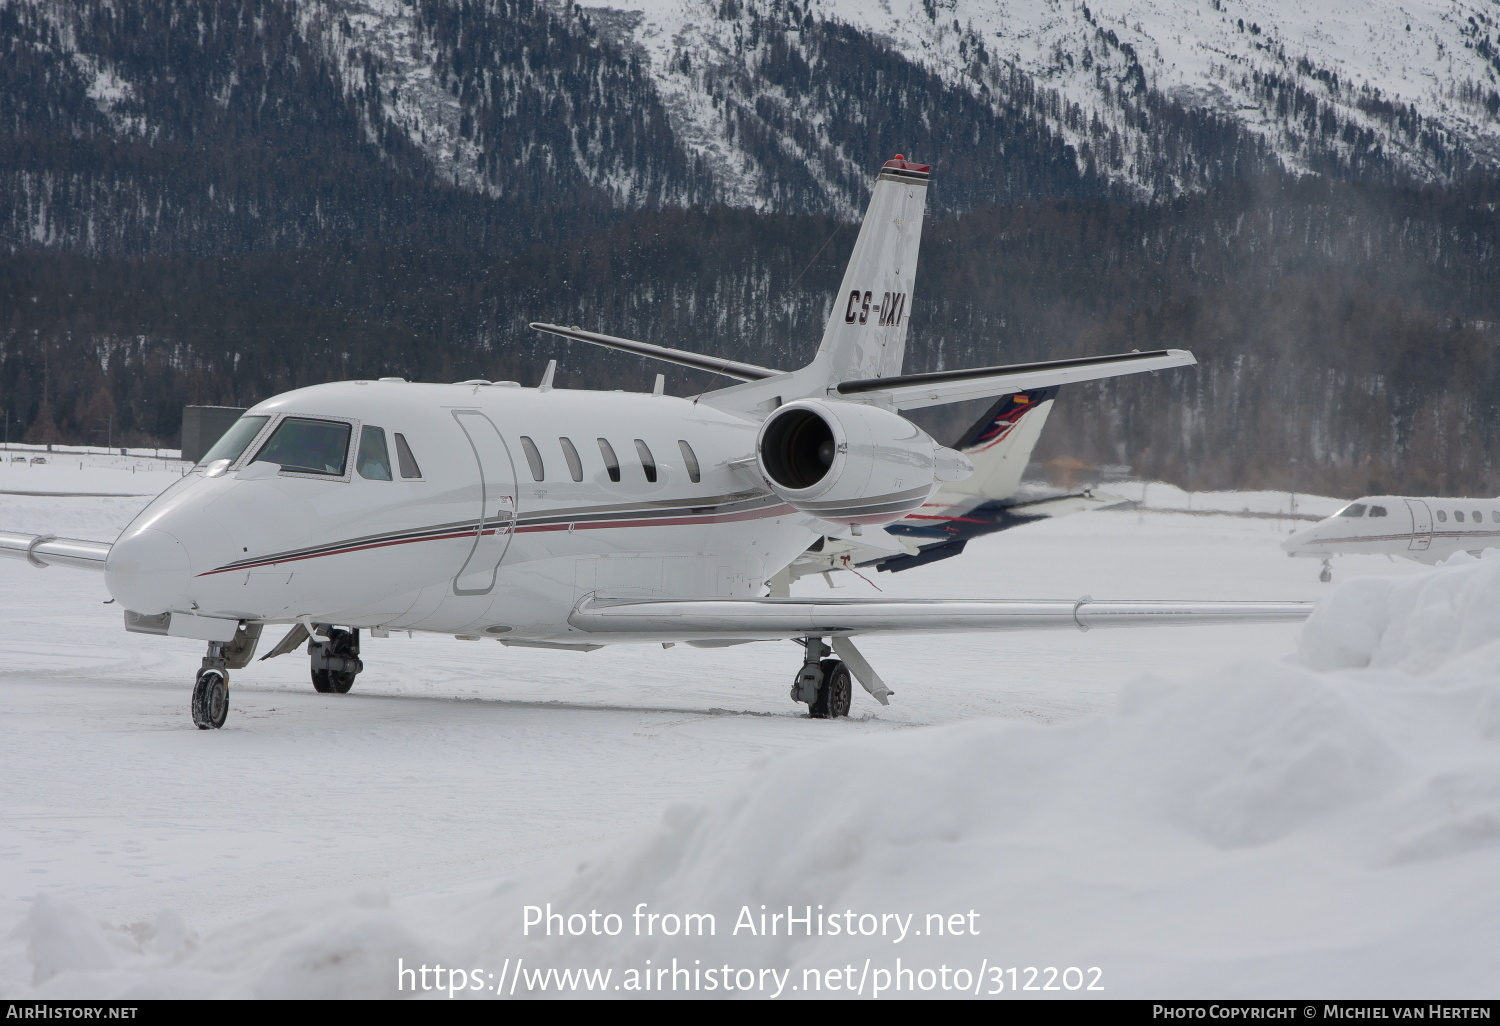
(851,463)
(797,449)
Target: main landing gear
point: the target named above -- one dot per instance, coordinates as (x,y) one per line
(335,662)
(824,685)
(211,688)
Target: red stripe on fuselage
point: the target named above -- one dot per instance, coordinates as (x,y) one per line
(339,552)
(721,518)
(717,518)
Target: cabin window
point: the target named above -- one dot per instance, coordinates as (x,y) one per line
(1442,517)
(690,460)
(234,441)
(1458,515)
(404,459)
(533,458)
(611,463)
(1495,516)
(1356,509)
(302,445)
(648,462)
(575,465)
(374,460)
(1478,517)
(1377,511)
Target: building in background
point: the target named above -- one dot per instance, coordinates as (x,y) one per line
(202,426)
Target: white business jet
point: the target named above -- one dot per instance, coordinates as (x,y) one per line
(1427,529)
(561,519)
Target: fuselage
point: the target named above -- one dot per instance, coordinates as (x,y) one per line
(1428,529)
(507,507)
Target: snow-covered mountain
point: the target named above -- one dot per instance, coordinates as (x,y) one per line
(1154,97)
(216,124)
(1338,86)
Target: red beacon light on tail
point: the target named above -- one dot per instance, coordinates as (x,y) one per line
(900,163)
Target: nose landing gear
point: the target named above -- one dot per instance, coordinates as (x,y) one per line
(1326,574)
(211,688)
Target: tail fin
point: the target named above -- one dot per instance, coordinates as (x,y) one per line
(1000,445)
(866,333)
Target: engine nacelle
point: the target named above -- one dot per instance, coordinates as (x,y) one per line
(852,464)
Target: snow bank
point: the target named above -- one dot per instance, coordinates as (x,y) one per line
(1325,825)
(1419,625)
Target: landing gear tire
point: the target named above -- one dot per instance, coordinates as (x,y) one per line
(211,699)
(1326,574)
(835,693)
(335,662)
(324,682)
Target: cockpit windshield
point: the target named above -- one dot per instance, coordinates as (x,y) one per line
(305,446)
(1354,509)
(233,442)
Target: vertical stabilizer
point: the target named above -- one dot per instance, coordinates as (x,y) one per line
(1000,445)
(866,333)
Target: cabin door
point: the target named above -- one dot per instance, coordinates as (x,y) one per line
(496,520)
(1421,525)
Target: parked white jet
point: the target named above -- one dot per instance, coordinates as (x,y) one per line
(563,519)
(1427,529)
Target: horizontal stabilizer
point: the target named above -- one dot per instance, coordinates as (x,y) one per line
(697,361)
(46,550)
(911,391)
(774,619)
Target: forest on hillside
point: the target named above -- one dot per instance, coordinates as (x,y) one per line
(1346,332)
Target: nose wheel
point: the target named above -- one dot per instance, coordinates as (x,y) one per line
(211,699)
(1326,574)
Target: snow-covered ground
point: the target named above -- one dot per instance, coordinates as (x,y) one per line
(1195,811)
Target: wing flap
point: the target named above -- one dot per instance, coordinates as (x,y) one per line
(913,391)
(47,550)
(772,619)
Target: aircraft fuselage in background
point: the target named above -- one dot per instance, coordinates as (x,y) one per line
(1428,529)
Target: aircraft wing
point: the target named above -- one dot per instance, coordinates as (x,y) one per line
(47,550)
(912,391)
(774,619)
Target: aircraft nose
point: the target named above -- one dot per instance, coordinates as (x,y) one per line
(148,572)
(1299,541)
